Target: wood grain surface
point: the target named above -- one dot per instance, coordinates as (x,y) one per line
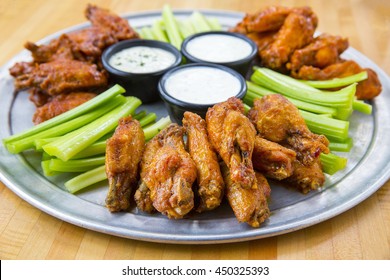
(360,233)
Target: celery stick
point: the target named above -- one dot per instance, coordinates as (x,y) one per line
(139,115)
(39,143)
(332,128)
(149,118)
(75,141)
(45,165)
(259,91)
(337,82)
(171,27)
(362,107)
(332,163)
(71,114)
(293,88)
(19,145)
(151,130)
(345,146)
(86,179)
(186,29)
(199,22)
(158,31)
(76,165)
(214,24)
(146,33)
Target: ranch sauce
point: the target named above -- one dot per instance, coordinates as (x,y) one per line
(142,59)
(202,85)
(218,48)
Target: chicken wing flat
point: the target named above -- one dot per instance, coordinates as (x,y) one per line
(62,76)
(103,18)
(167,175)
(232,136)
(272,159)
(249,205)
(322,52)
(123,155)
(278,120)
(209,178)
(60,104)
(296,32)
(367,89)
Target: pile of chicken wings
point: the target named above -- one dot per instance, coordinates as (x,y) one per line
(287,43)
(228,154)
(67,71)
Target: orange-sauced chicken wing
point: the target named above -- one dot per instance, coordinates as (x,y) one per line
(322,52)
(167,175)
(306,178)
(210,182)
(233,136)
(278,120)
(249,205)
(62,76)
(272,159)
(60,104)
(123,155)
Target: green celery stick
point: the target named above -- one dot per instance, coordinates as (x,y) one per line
(171,27)
(337,82)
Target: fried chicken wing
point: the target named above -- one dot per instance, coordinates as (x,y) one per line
(62,76)
(233,136)
(249,205)
(278,120)
(296,32)
(367,89)
(209,178)
(272,159)
(103,18)
(123,155)
(60,104)
(322,52)
(306,178)
(167,175)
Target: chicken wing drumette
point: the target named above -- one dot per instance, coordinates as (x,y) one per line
(210,181)
(123,155)
(167,175)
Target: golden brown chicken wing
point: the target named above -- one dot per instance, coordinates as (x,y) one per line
(367,89)
(278,120)
(167,175)
(233,136)
(209,177)
(306,178)
(123,155)
(249,205)
(60,104)
(62,76)
(272,159)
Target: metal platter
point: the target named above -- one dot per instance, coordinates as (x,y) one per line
(367,170)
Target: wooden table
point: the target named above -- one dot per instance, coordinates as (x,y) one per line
(360,233)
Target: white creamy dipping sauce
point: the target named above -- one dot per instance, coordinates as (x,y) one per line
(202,85)
(218,48)
(142,59)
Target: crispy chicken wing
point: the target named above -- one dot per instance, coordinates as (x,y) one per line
(62,76)
(123,155)
(233,136)
(167,175)
(306,178)
(296,32)
(278,120)
(249,205)
(103,18)
(367,89)
(60,104)
(209,178)
(323,51)
(272,159)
